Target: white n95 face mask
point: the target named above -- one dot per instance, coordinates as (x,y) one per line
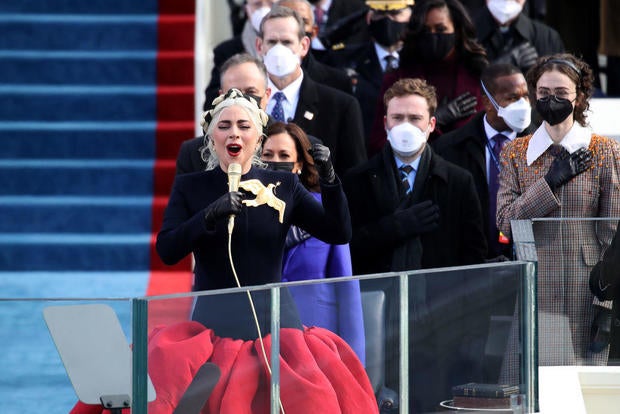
(504,10)
(406,139)
(257,16)
(280,60)
(517,115)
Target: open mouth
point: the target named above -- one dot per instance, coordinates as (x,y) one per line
(233,149)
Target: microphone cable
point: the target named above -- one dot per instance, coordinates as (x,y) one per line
(231,225)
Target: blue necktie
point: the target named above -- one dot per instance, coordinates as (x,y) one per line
(391,63)
(498,142)
(319,18)
(278,111)
(405,170)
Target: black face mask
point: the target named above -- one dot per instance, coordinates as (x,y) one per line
(433,47)
(553,109)
(256,97)
(280,166)
(387,31)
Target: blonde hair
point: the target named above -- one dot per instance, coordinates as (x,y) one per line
(234,97)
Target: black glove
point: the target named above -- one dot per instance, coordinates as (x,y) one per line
(601,329)
(295,236)
(497,259)
(323,163)
(420,218)
(229,203)
(565,167)
(524,56)
(460,107)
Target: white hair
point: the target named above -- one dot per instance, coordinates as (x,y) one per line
(210,118)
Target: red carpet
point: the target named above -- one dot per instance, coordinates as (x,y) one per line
(175,123)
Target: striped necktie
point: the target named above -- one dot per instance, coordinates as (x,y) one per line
(405,170)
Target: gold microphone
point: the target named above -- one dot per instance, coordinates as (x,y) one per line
(234,176)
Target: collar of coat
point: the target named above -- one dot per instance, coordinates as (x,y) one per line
(487,26)
(430,164)
(577,137)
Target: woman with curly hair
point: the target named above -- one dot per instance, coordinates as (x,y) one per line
(441,47)
(564,170)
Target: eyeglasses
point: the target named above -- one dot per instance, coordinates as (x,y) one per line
(562,93)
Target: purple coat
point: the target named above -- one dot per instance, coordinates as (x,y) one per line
(335,306)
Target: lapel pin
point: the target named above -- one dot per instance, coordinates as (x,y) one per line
(308,115)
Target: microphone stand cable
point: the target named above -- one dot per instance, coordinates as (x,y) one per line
(231,225)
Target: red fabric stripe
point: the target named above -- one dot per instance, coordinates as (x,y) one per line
(175,123)
(177,6)
(175,68)
(170,136)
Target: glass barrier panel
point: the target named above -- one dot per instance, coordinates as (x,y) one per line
(468,337)
(33,373)
(35,378)
(398,342)
(317,328)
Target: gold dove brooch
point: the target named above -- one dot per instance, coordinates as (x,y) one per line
(264,195)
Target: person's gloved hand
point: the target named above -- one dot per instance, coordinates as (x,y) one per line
(565,168)
(420,218)
(601,329)
(229,203)
(323,163)
(497,259)
(460,107)
(524,56)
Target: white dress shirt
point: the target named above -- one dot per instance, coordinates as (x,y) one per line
(291,92)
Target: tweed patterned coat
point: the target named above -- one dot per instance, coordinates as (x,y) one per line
(568,249)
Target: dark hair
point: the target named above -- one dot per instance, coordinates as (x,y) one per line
(241,58)
(497,70)
(576,69)
(282,12)
(309,176)
(411,86)
(467,47)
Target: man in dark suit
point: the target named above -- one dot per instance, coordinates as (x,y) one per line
(367,62)
(246,42)
(329,15)
(438,221)
(510,36)
(318,71)
(472,146)
(411,209)
(241,71)
(329,114)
